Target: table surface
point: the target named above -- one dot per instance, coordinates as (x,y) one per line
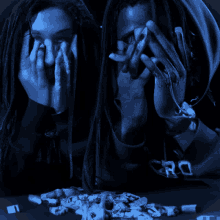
(206,198)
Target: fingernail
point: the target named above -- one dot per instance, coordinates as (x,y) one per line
(178,30)
(42,46)
(111,56)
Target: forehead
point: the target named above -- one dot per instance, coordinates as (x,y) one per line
(51,20)
(133,17)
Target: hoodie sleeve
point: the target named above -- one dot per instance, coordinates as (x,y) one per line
(204,153)
(201,148)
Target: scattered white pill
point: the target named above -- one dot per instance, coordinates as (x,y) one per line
(35,199)
(13,209)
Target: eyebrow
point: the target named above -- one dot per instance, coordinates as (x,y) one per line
(59,32)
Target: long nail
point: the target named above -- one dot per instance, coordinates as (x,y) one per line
(180,37)
(111,56)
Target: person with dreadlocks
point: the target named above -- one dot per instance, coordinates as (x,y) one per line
(158,59)
(49,60)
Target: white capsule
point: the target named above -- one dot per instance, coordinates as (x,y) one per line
(35,199)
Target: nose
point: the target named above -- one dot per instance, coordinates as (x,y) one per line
(50,54)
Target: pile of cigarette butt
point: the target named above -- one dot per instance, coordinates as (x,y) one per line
(140,205)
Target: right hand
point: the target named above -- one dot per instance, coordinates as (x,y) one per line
(33,79)
(131,92)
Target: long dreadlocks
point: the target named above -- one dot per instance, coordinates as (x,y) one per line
(10,87)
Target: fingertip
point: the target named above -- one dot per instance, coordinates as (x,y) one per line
(112,56)
(154,59)
(144,57)
(150,23)
(178,30)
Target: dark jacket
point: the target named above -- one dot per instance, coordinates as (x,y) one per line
(194,155)
(38,154)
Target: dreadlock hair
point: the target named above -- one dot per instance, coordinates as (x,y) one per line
(11,89)
(173,14)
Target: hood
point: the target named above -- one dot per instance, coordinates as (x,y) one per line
(200,22)
(208,31)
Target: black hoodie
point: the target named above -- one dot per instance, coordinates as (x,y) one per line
(194,154)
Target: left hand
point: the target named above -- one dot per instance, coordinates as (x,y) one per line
(166,54)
